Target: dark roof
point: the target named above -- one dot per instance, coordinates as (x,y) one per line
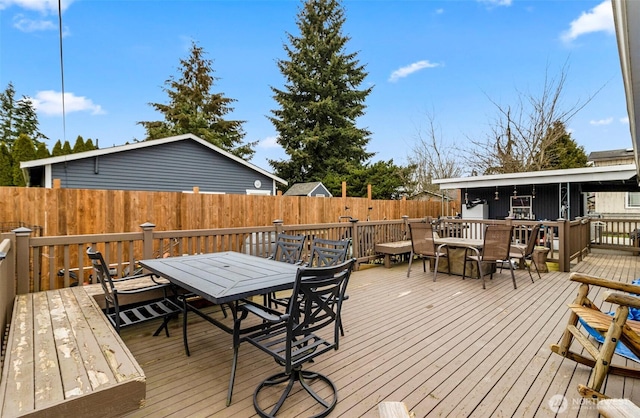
(614,154)
(304,189)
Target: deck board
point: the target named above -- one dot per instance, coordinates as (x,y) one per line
(444,348)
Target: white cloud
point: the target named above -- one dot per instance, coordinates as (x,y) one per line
(25,24)
(496,2)
(49,102)
(269,142)
(42,6)
(410,69)
(625,120)
(598,19)
(600,122)
(439,11)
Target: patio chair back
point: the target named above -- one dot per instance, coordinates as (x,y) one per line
(497,243)
(289,248)
(422,239)
(326,252)
(533,239)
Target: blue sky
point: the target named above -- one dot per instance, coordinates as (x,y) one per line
(447,60)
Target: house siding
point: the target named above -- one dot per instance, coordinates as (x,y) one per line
(176,166)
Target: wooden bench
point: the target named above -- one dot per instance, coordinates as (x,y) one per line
(392,248)
(63,358)
(618,408)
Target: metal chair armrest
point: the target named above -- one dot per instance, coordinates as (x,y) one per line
(264,312)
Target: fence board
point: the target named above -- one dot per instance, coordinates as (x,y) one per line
(80,211)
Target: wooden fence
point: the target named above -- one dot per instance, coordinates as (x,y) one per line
(80,211)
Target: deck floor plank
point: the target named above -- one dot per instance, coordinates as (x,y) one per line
(445,348)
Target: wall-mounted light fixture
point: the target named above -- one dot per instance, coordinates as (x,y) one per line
(515,192)
(497,197)
(533,192)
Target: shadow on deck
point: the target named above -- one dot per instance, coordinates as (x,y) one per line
(447,348)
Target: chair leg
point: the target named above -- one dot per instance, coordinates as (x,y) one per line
(536,266)
(410,261)
(185,309)
(603,362)
(165,325)
(513,276)
(435,269)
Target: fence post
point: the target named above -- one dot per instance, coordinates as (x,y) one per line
(22,260)
(147,240)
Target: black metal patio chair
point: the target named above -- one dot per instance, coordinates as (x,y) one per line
(292,338)
(288,250)
(122,314)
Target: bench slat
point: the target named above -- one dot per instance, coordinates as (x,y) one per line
(47,378)
(16,387)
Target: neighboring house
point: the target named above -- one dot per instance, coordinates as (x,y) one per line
(314,189)
(175,164)
(615,204)
(539,195)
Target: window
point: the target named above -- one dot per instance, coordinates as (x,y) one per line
(521,207)
(633,200)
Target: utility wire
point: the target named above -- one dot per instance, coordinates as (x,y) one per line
(64,122)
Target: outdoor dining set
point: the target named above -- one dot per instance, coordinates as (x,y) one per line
(288,325)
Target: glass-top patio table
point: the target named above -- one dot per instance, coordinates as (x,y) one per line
(225,277)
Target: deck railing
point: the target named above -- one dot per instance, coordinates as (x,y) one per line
(43,263)
(7,287)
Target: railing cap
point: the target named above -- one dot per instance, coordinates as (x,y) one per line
(147,225)
(23,230)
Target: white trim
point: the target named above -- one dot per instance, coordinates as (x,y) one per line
(259,192)
(586,174)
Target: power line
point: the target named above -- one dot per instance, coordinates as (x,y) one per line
(64,122)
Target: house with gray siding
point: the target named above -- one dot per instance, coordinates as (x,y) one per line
(174,164)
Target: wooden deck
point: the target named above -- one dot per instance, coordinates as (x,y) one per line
(447,348)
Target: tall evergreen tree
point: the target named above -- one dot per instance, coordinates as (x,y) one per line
(79,145)
(319,105)
(66,148)
(88,145)
(42,151)
(563,152)
(194,109)
(17,117)
(23,150)
(57,149)
(6,166)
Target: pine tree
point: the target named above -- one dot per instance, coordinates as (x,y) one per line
(88,145)
(42,151)
(17,117)
(66,148)
(23,150)
(79,145)
(564,152)
(57,149)
(194,109)
(316,121)
(6,166)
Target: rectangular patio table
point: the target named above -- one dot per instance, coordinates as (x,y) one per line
(225,277)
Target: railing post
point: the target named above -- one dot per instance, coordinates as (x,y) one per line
(277,224)
(22,260)
(564,247)
(405,226)
(355,238)
(147,240)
